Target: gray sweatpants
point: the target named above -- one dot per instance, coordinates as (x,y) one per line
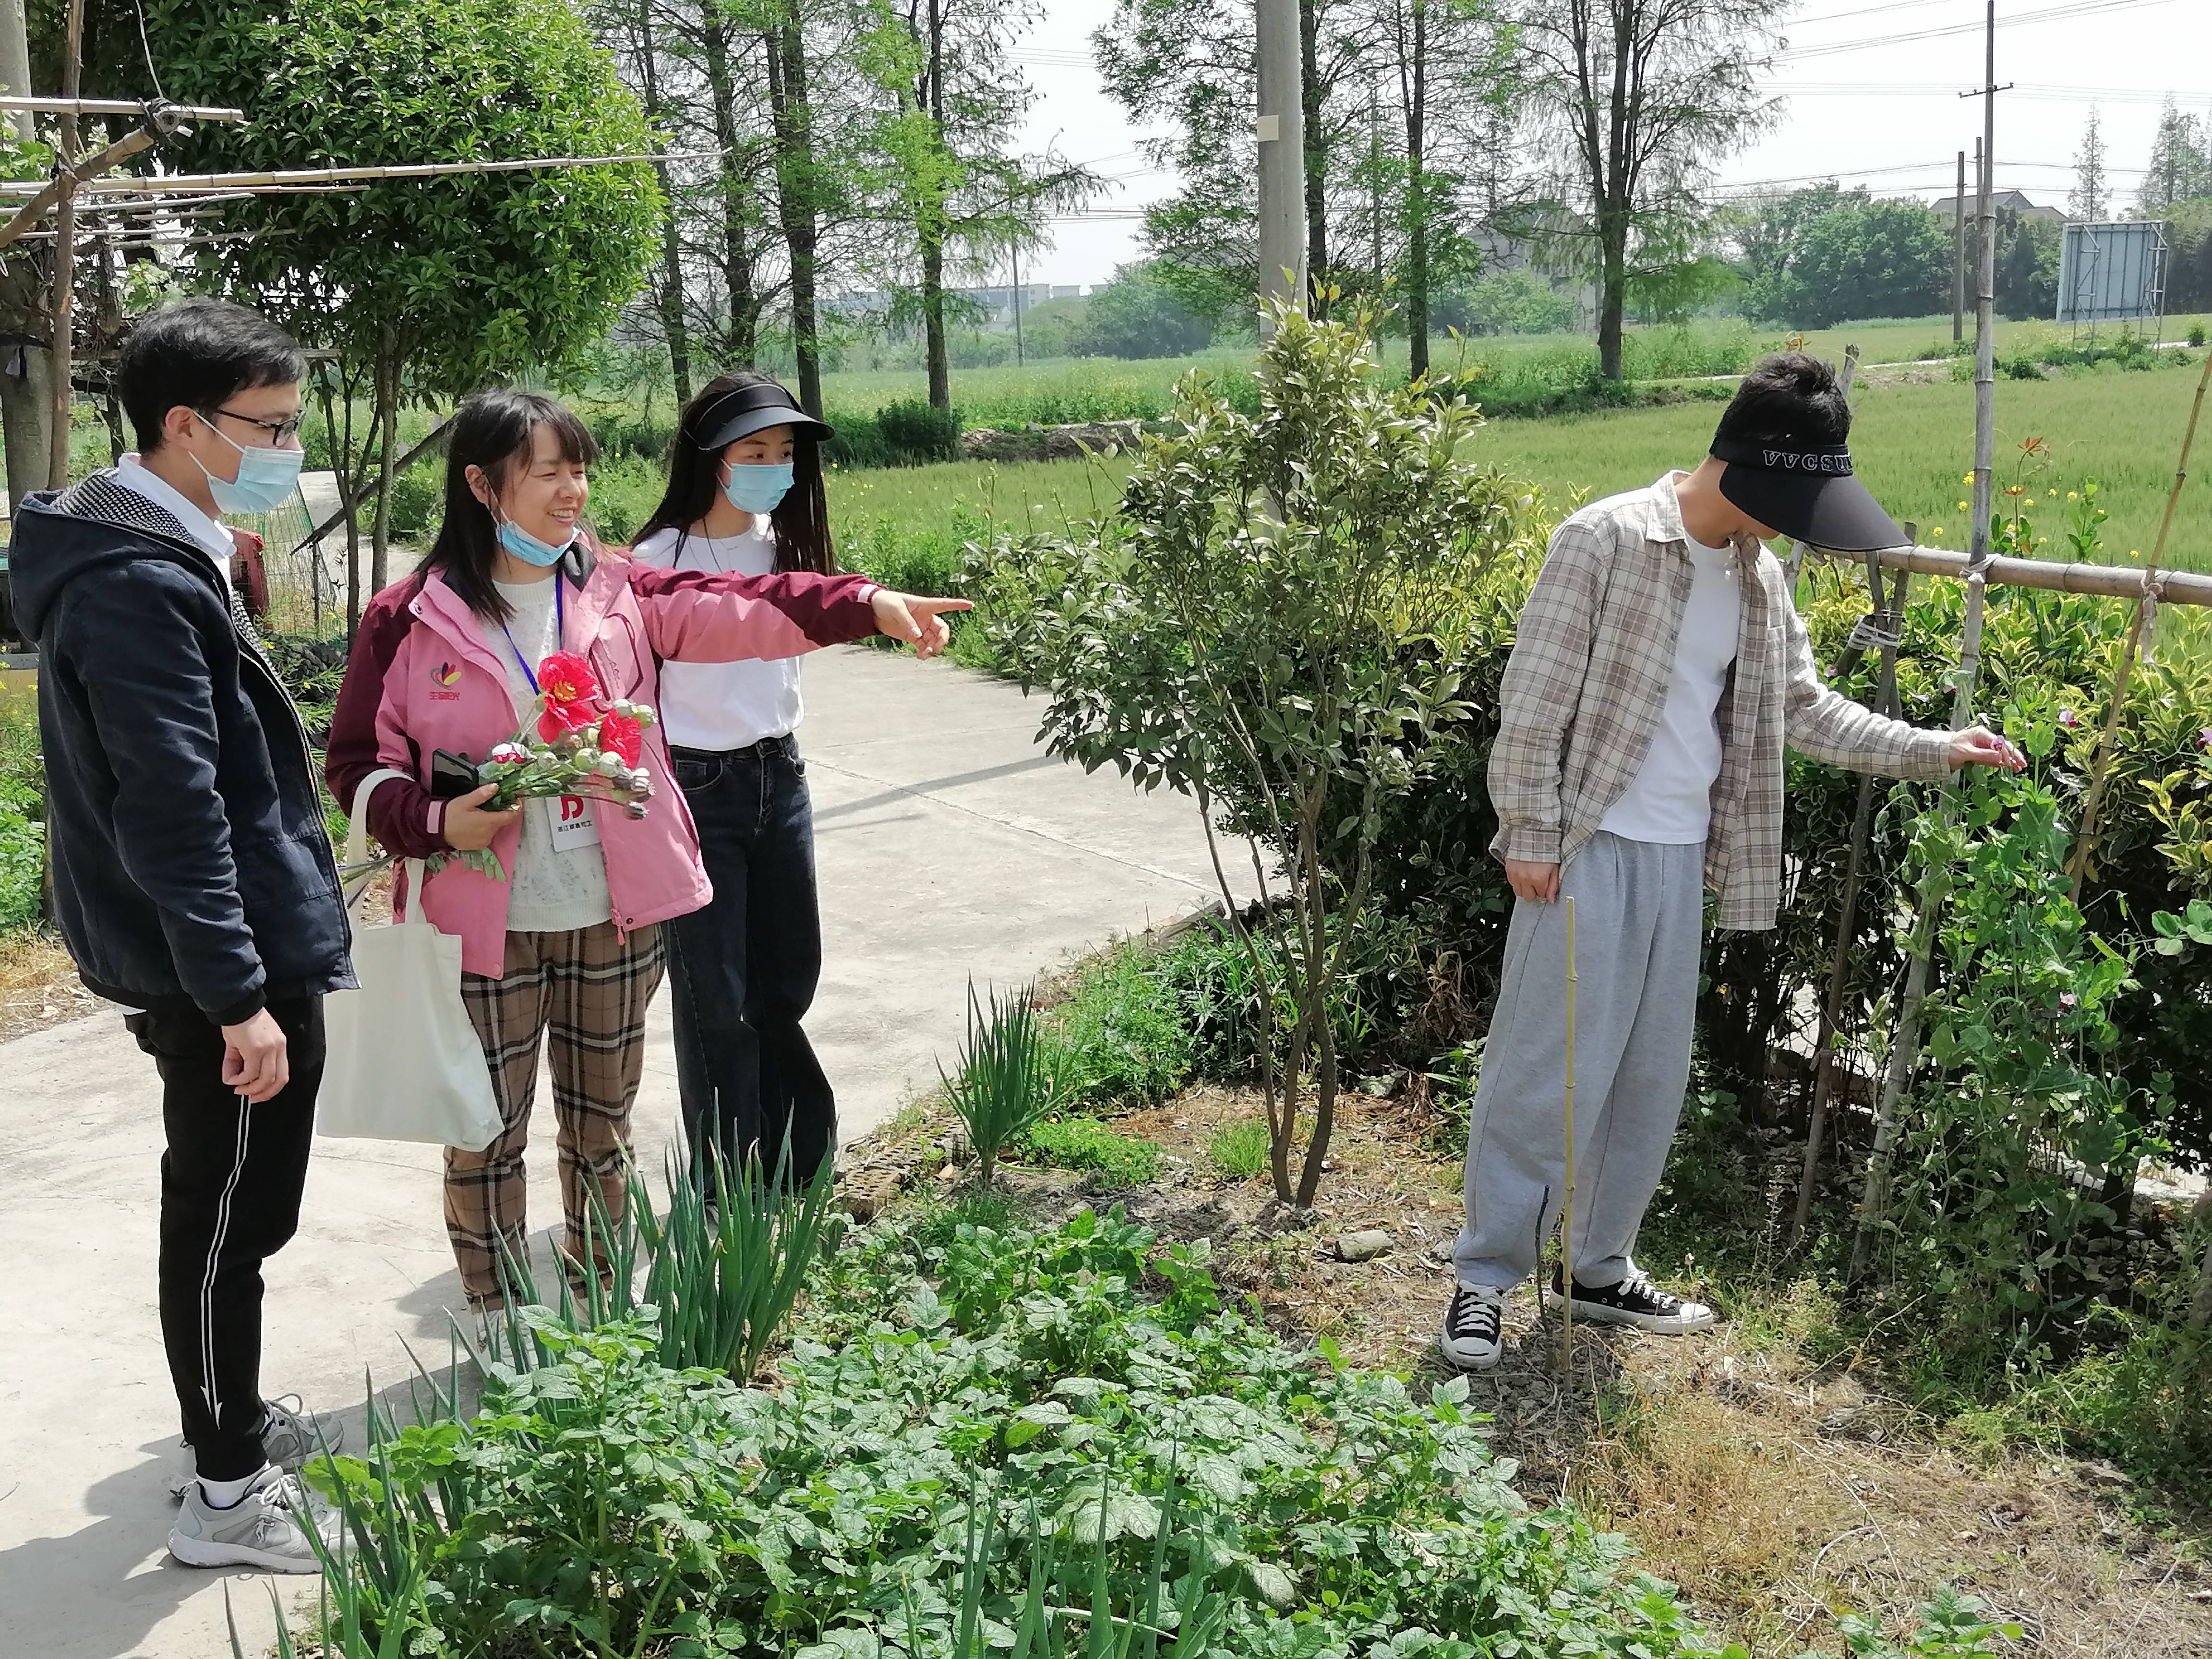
(1639,908)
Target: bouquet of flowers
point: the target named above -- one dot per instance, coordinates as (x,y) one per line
(573,741)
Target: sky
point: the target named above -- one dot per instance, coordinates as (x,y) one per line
(1884,112)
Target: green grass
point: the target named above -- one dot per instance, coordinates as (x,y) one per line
(1074,1142)
(1239,1150)
(1064,389)
(1913,444)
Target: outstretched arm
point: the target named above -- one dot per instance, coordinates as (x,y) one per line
(700,616)
(1820,721)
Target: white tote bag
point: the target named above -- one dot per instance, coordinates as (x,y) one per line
(404,1063)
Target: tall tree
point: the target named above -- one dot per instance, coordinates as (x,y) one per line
(956,176)
(1189,68)
(633,28)
(1645,95)
(425,288)
(798,185)
(2088,199)
(2180,166)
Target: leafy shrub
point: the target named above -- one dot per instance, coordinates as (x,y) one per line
(22,870)
(1077,1142)
(909,433)
(2197,334)
(1123,1039)
(418,503)
(1280,666)
(972,1440)
(22,814)
(1136,315)
(625,489)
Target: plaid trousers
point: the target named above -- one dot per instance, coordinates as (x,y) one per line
(587,992)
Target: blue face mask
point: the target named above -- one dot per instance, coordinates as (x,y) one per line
(758,488)
(266,476)
(528,548)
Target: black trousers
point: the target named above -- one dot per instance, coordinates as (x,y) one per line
(230,1199)
(743,971)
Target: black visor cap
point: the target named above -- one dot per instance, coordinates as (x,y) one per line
(1807,493)
(743,411)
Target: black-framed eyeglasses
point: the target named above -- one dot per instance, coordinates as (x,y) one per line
(277,431)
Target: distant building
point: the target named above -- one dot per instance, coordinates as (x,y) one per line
(2012,199)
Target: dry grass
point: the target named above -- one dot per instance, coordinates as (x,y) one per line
(38,985)
(1776,1492)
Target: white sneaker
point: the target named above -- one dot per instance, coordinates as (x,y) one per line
(269,1528)
(1470,1340)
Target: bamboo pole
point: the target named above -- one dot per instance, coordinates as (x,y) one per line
(1904,1041)
(1890,620)
(119,106)
(75,180)
(188,183)
(2110,581)
(1567,1208)
(2146,607)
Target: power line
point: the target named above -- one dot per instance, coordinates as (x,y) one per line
(2051,14)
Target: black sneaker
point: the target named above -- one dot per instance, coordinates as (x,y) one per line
(1470,1338)
(1637,1301)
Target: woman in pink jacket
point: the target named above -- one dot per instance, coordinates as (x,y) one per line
(567,945)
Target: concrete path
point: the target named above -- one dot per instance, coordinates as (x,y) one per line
(950,845)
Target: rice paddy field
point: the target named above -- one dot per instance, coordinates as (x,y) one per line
(1067,389)
(1914,443)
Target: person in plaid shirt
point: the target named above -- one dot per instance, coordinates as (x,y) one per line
(1660,667)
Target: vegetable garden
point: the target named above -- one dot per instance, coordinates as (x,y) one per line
(958,1431)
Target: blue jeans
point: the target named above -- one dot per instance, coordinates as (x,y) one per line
(742,972)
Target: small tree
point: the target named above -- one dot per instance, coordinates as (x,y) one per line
(1270,626)
(424,287)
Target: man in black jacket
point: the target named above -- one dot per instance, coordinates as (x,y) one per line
(193,879)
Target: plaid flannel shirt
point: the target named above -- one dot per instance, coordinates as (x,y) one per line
(1588,681)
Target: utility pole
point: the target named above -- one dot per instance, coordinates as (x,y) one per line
(1959,250)
(64,301)
(26,388)
(1018,359)
(16,63)
(1282,153)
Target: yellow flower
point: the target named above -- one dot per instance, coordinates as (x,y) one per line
(2073,495)
(2053,494)
(1936,531)
(1966,477)
(1965,506)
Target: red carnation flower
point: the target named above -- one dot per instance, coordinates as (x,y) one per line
(621,737)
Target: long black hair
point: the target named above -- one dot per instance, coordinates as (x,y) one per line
(800,522)
(493,430)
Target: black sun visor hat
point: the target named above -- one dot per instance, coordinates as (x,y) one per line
(1807,493)
(744,410)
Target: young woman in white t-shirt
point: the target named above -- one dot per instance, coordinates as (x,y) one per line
(745,494)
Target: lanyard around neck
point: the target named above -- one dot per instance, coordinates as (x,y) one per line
(560,634)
